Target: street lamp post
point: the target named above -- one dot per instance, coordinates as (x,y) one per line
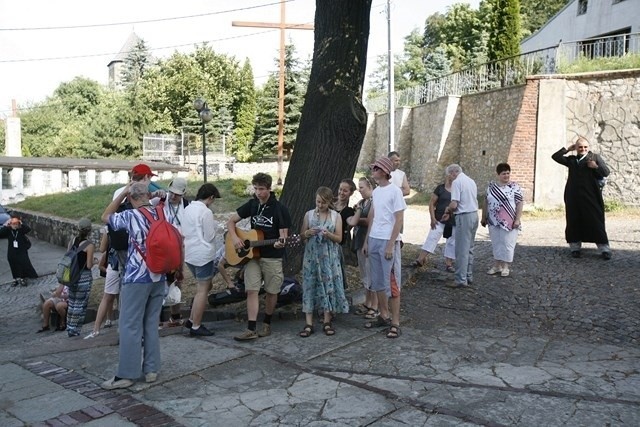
(205,116)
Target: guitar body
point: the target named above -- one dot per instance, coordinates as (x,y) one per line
(238,256)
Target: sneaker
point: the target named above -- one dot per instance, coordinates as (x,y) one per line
(202,331)
(247,335)
(266,330)
(150,377)
(108,324)
(505,272)
(113,384)
(494,270)
(92,335)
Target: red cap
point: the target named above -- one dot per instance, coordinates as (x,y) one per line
(142,169)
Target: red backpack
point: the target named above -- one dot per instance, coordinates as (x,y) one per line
(165,251)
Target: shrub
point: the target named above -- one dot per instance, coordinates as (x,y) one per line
(239,187)
(613,206)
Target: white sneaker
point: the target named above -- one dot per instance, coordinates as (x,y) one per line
(151,377)
(92,335)
(112,384)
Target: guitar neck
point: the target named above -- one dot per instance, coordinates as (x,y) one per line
(258,243)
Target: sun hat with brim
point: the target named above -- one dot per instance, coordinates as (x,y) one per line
(383,163)
(84,224)
(178,186)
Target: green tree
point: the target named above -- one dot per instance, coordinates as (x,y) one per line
(504,29)
(245,114)
(536,13)
(265,140)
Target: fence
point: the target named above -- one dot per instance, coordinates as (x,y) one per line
(509,71)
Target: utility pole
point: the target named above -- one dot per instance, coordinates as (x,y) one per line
(392,101)
(282,25)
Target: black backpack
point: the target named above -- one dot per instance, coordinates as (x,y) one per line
(290,292)
(119,239)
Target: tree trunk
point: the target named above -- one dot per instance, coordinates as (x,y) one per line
(333,122)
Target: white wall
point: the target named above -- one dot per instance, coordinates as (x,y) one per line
(602,17)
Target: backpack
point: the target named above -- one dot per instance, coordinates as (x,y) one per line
(290,292)
(69,270)
(119,239)
(163,243)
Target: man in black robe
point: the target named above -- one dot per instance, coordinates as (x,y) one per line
(583,197)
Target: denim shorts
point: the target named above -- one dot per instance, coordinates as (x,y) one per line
(203,272)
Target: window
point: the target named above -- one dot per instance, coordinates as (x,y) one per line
(83,179)
(26,178)
(6,178)
(582,7)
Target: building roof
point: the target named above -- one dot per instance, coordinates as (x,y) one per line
(127,47)
(73,163)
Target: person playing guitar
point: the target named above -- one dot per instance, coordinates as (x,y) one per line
(272,218)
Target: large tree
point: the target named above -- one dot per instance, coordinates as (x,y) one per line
(333,122)
(504,29)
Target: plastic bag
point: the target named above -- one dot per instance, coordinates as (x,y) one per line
(174,295)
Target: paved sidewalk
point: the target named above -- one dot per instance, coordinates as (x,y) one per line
(555,344)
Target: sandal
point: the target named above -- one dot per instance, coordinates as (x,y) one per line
(362,310)
(306,331)
(371,314)
(43,329)
(416,264)
(394,331)
(378,322)
(62,327)
(328,329)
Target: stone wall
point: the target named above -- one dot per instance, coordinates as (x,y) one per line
(521,125)
(605,108)
(55,230)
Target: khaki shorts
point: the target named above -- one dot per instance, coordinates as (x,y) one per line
(268,268)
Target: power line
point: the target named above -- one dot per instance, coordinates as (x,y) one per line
(146,21)
(58,58)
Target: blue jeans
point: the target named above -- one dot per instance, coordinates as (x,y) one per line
(140,306)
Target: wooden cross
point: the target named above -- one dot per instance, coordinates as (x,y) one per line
(282,25)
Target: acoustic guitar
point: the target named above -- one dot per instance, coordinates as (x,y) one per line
(253,240)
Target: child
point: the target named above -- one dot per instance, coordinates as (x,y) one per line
(322,283)
(18,250)
(57,302)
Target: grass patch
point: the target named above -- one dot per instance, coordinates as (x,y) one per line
(91,202)
(583,65)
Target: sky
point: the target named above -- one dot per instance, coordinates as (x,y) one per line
(36,55)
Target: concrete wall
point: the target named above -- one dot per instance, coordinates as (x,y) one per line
(602,17)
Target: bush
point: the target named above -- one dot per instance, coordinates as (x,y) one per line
(239,187)
(583,64)
(613,206)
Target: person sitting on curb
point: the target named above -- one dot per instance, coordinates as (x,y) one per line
(57,302)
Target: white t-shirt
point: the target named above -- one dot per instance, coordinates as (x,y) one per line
(386,201)
(397,178)
(465,192)
(199,231)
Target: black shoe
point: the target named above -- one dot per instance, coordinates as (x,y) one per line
(23,282)
(606,255)
(188,324)
(202,331)
(576,254)
(14,284)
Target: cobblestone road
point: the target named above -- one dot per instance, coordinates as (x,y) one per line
(548,292)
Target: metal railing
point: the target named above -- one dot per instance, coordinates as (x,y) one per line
(509,71)
(616,45)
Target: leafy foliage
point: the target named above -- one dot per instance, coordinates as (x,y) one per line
(265,139)
(504,29)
